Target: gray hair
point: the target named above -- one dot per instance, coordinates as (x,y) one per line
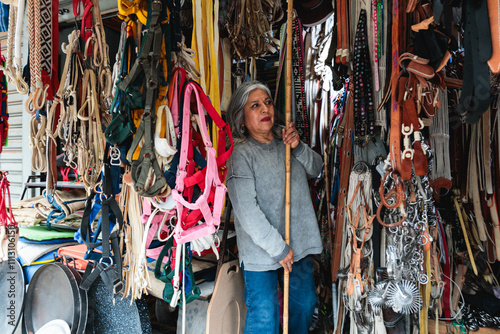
(236,116)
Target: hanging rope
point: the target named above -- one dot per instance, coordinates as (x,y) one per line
(37,96)
(38,143)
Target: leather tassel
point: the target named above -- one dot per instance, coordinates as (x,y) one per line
(406,168)
(420,159)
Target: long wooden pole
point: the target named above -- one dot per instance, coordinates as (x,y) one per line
(288,118)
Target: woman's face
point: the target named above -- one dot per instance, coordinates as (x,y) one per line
(259,114)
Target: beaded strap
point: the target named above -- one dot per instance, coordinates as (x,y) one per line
(363,99)
(301,118)
(375,45)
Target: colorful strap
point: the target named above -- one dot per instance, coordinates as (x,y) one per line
(212,187)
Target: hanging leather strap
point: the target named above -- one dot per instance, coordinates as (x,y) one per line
(492,204)
(494,16)
(473,181)
(446,268)
(345,168)
(485,162)
(396,112)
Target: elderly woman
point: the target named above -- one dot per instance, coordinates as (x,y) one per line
(256,186)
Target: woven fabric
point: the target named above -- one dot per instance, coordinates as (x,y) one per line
(46,35)
(4,17)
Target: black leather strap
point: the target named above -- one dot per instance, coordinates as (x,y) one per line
(475,98)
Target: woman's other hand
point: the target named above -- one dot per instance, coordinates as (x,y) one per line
(287,262)
(291,136)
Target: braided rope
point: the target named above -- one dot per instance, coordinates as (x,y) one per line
(37,65)
(91,141)
(101,61)
(37,96)
(21,85)
(31,36)
(38,142)
(9,70)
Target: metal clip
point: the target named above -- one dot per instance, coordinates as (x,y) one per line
(115,156)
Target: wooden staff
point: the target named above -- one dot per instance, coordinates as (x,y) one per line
(288,117)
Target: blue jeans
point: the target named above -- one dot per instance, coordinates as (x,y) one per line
(261,298)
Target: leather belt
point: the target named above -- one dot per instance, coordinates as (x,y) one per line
(396,112)
(346,166)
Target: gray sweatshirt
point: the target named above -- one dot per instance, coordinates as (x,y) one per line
(256,187)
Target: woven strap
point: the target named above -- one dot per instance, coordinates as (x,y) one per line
(36,99)
(301,117)
(364,118)
(109,266)
(46,36)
